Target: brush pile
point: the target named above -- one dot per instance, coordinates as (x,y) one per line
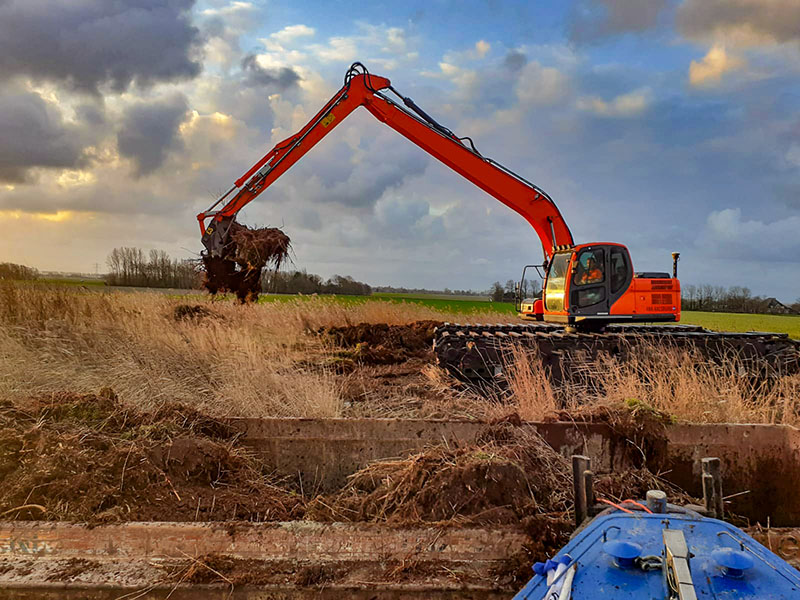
(249,252)
(509,475)
(88,458)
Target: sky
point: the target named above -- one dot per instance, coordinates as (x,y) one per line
(665,125)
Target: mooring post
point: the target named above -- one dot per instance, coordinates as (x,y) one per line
(712,487)
(580,466)
(588,486)
(657,501)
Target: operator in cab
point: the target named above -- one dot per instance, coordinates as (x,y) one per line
(591,272)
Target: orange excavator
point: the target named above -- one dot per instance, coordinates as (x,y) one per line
(587,287)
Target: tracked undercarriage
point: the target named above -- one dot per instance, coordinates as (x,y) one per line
(482,352)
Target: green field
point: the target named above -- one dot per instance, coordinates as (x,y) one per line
(460,305)
(447,304)
(740,322)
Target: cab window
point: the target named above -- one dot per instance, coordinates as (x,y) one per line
(556,282)
(590,267)
(619,270)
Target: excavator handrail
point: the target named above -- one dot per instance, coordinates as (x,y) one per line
(361,88)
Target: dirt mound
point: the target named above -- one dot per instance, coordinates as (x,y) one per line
(510,476)
(511,473)
(192,312)
(380,343)
(249,251)
(86,458)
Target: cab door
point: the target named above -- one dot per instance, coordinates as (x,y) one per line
(589,282)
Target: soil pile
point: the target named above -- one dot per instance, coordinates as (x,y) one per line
(192,312)
(87,458)
(510,474)
(378,344)
(247,254)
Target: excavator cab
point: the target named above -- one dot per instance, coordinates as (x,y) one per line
(590,285)
(529,307)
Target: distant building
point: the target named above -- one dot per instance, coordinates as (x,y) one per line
(775,307)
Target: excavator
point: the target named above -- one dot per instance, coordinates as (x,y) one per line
(591,293)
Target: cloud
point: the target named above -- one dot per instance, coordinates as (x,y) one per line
(729,236)
(709,71)
(277,79)
(33,134)
(539,85)
(740,23)
(149,131)
(289,34)
(222,29)
(592,20)
(515,60)
(370,178)
(90,43)
(624,105)
(482,48)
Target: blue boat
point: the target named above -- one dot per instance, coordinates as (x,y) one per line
(627,553)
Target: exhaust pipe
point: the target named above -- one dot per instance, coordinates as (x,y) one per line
(676,256)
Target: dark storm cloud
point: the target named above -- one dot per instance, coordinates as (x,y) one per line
(751,20)
(149,131)
(32,134)
(90,114)
(369,180)
(595,19)
(256,75)
(93,42)
(515,60)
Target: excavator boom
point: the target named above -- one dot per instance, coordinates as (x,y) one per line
(361,88)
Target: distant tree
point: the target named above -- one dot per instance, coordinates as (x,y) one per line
(497,292)
(531,288)
(129,267)
(300,282)
(17,272)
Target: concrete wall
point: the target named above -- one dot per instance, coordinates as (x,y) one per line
(762,460)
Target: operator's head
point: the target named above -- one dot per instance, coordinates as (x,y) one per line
(591,262)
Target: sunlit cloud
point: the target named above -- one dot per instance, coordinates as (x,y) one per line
(624,105)
(54,217)
(708,72)
(76,178)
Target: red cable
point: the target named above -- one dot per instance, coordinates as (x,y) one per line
(617,506)
(639,504)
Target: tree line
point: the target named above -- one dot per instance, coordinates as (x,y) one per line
(531,288)
(388,289)
(732,299)
(134,267)
(300,282)
(17,272)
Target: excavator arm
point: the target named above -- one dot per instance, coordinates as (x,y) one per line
(364,89)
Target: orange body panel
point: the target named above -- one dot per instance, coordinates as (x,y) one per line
(650,297)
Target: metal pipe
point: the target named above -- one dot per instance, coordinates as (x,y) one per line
(676,256)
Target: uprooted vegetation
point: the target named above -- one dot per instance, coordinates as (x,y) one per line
(508,476)
(90,458)
(249,252)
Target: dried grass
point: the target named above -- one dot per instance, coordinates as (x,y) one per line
(678,382)
(231,360)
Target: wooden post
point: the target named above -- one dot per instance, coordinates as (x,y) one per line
(712,487)
(580,465)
